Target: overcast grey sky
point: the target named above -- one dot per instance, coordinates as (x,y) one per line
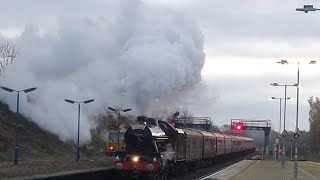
(243,40)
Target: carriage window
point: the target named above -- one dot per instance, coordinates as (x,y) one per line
(234,143)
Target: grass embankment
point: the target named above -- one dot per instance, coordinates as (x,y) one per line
(35,143)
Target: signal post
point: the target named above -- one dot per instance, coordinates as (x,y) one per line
(240,125)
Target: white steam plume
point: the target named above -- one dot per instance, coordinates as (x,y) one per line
(132,57)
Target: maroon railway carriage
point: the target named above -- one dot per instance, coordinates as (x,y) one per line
(194,140)
(227,142)
(209,149)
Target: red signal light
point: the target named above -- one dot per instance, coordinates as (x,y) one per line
(239,126)
(174,124)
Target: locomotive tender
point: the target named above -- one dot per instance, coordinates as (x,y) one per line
(156,148)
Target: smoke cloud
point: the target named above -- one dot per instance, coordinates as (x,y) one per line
(132,57)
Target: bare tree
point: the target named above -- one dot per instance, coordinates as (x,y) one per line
(8,53)
(226,128)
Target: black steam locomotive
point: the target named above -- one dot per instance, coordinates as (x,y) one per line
(156,148)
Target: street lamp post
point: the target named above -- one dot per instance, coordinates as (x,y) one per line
(280,100)
(284,119)
(79,102)
(118,126)
(16,149)
(297,116)
(295,164)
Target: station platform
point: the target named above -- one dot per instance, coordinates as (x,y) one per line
(267,170)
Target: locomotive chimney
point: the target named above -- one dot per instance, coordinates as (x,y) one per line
(141,120)
(152,122)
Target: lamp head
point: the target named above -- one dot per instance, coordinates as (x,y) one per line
(312,62)
(283,62)
(112,109)
(88,101)
(7,89)
(29,90)
(126,110)
(69,101)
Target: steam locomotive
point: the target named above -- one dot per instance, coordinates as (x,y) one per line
(155,148)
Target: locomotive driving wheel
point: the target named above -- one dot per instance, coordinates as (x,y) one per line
(155,176)
(163,175)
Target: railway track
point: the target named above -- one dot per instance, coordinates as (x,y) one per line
(110,174)
(204,172)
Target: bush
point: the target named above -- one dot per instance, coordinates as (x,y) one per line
(4,157)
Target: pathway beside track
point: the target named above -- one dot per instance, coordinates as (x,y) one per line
(267,170)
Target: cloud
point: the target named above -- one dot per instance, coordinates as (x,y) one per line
(133,57)
(254,28)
